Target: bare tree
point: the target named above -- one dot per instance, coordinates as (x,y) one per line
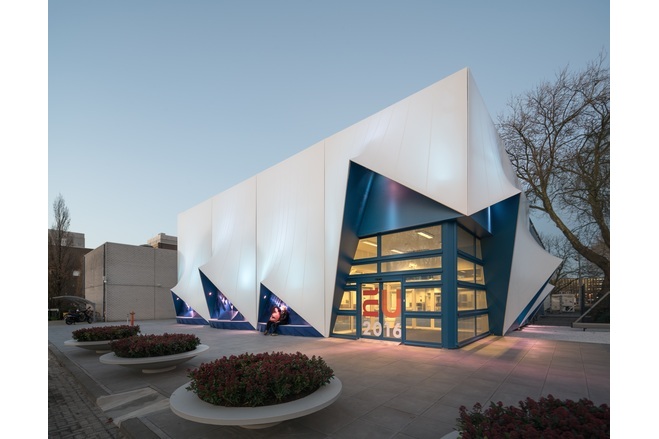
(558,137)
(558,246)
(60,259)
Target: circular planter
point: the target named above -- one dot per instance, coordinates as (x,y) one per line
(188,405)
(100,346)
(159,364)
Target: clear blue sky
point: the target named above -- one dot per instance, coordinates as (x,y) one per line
(156,106)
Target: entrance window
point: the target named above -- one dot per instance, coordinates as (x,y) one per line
(423,278)
(367,248)
(466,328)
(349,300)
(345,325)
(469,244)
(394,276)
(469,300)
(423,330)
(470,272)
(363,269)
(423,299)
(410,241)
(412,264)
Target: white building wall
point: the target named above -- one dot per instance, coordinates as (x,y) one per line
(290,233)
(232,267)
(531,267)
(439,142)
(194,250)
(491,178)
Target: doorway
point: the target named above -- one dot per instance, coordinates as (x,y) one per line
(381,309)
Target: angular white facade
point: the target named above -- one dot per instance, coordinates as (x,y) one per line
(282,229)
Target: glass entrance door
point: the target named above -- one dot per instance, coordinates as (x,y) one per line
(381,305)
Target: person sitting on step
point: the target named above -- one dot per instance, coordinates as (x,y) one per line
(274,318)
(283,319)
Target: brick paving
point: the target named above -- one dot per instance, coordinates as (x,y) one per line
(71,412)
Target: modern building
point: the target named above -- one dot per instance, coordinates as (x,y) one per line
(122,279)
(408,226)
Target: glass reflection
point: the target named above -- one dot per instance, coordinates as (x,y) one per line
(364,269)
(470,272)
(412,264)
(466,328)
(367,248)
(410,241)
(345,325)
(349,300)
(466,299)
(423,299)
(424,330)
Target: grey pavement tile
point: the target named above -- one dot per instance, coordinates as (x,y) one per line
(425,428)
(375,395)
(330,419)
(442,413)
(389,417)
(410,404)
(363,429)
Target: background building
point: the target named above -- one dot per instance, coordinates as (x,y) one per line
(408,226)
(162,240)
(73,276)
(121,279)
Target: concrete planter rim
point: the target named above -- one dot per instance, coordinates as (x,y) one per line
(186,404)
(157,364)
(100,346)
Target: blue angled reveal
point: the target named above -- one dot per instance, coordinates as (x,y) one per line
(224,314)
(498,259)
(296,324)
(185,314)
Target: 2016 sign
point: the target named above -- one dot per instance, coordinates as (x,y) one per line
(370,308)
(376,329)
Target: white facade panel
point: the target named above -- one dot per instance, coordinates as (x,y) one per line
(194,250)
(421,142)
(290,232)
(447,160)
(488,182)
(539,301)
(382,155)
(531,267)
(232,267)
(412,156)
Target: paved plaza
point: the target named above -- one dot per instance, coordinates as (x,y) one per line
(389,390)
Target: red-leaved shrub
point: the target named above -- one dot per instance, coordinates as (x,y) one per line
(253,380)
(153,345)
(548,418)
(103,333)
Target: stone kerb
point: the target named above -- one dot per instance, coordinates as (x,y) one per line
(187,405)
